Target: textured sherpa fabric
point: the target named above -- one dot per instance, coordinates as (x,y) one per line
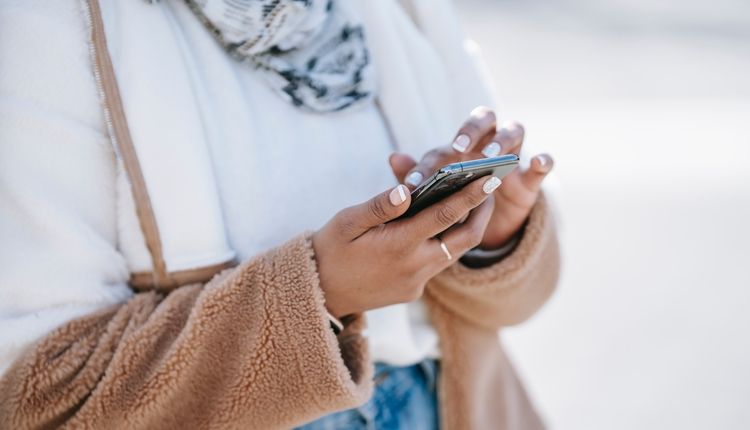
(252,349)
(478,387)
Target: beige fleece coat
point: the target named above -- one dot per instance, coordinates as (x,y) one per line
(253,349)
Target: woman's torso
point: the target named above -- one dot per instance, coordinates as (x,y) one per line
(70,210)
(279,170)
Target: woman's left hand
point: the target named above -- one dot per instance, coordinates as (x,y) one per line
(480,137)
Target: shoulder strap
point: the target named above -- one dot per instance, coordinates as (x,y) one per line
(119,132)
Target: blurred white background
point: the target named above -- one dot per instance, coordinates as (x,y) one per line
(646,107)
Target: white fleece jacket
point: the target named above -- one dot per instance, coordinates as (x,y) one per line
(66,207)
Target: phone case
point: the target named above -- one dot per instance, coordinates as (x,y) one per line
(455,176)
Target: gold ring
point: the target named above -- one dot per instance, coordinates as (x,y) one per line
(445,250)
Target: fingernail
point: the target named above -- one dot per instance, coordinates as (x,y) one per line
(491,150)
(414,178)
(398,195)
(491,184)
(461,143)
(542,160)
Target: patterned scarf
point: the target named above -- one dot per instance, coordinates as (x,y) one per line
(312,52)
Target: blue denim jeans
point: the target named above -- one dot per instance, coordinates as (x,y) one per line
(404,398)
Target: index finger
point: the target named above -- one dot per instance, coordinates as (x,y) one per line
(440,216)
(479,128)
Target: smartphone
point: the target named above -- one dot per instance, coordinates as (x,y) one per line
(455,176)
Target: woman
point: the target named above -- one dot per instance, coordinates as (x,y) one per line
(222,131)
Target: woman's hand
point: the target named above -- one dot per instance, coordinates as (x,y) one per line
(365,263)
(480,137)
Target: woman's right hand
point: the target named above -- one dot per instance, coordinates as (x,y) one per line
(365,263)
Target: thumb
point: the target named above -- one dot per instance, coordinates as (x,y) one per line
(356,220)
(401,164)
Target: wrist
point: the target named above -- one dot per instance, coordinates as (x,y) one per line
(332,306)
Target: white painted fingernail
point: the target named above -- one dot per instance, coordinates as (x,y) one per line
(491,184)
(542,160)
(461,143)
(491,150)
(414,178)
(398,195)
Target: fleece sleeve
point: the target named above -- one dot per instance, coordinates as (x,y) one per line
(510,291)
(250,349)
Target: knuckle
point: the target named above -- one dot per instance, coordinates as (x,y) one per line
(475,197)
(444,154)
(446,215)
(521,134)
(434,159)
(345,222)
(516,125)
(413,292)
(483,113)
(432,153)
(503,134)
(441,156)
(401,251)
(400,242)
(471,127)
(517,130)
(377,209)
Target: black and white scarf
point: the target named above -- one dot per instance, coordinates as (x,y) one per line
(312,52)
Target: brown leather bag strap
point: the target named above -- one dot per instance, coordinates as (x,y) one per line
(117,126)
(119,132)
